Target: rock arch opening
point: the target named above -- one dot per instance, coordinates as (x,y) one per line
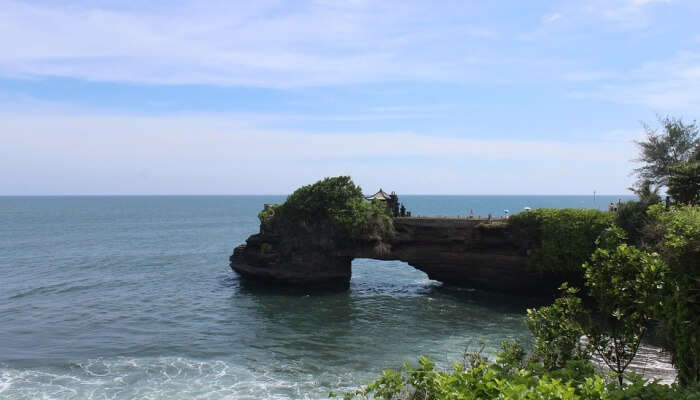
(370,274)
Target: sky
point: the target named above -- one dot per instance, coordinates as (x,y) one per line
(417,97)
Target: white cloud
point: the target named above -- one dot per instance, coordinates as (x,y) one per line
(87,153)
(593,75)
(667,85)
(640,3)
(260,43)
(551,18)
(295,44)
(626,14)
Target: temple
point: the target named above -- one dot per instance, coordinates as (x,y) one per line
(392,200)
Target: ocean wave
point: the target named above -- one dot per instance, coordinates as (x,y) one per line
(159,378)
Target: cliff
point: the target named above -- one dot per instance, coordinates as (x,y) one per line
(470,253)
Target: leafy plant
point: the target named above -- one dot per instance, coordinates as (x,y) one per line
(632,217)
(661,151)
(565,238)
(512,356)
(684,182)
(557,330)
(680,308)
(627,284)
(487,381)
(334,206)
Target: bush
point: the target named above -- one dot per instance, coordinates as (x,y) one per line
(633,218)
(680,309)
(511,357)
(565,238)
(332,206)
(661,151)
(557,329)
(487,381)
(684,183)
(627,284)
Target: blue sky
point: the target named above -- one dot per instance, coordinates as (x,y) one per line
(219,97)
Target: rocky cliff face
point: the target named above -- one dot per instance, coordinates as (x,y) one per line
(271,258)
(455,251)
(467,253)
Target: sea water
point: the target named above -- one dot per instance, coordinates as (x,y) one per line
(132,297)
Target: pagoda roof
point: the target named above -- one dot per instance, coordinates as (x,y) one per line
(380,195)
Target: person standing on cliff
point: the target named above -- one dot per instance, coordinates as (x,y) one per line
(471,213)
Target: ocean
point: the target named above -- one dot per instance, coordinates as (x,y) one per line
(123,297)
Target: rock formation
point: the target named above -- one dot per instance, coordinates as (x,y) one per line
(464,252)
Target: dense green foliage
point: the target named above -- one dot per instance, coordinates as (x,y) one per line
(684,182)
(671,158)
(334,206)
(557,329)
(565,238)
(661,151)
(670,239)
(627,285)
(507,378)
(632,217)
(680,309)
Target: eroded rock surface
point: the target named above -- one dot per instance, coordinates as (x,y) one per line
(470,253)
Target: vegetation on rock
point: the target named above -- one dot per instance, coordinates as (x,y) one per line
(565,238)
(334,207)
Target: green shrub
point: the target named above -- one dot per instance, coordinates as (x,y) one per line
(627,285)
(680,308)
(684,182)
(633,218)
(511,357)
(557,329)
(265,216)
(565,238)
(334,207)
(487,381)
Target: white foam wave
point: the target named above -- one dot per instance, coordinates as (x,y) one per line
(160,378)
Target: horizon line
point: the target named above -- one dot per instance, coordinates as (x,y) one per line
(287,194)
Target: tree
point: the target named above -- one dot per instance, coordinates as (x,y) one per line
(632,216)
(334,206)
(684,182)
(647,192)
(661,151)
(627,285)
